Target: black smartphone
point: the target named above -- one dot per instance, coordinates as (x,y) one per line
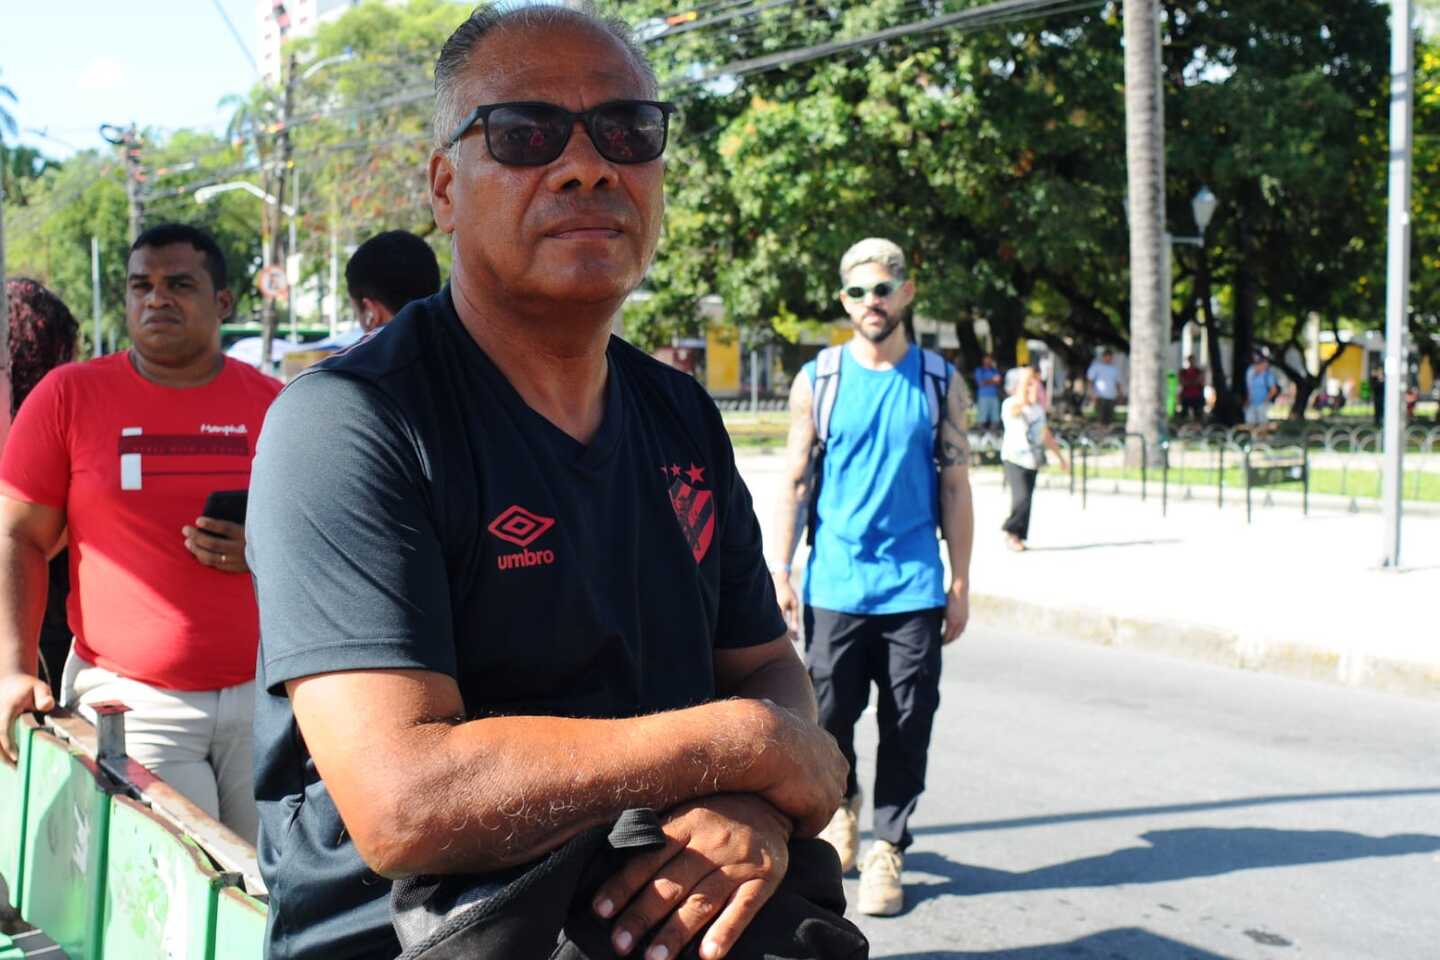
(226,505)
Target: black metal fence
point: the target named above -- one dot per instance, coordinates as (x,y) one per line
(1348,458)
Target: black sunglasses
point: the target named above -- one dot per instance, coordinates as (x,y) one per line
(532,134)
(882,290)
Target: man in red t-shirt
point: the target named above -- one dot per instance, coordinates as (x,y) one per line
(122,452)
(1192,391)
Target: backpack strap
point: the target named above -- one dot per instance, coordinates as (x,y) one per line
(825,389)
(935,373)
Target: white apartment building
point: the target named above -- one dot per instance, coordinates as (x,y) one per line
(285,19)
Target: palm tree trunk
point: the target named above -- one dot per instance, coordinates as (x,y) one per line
(1145,162)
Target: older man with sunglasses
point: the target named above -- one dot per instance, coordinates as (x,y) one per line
(511,584)
(877,461)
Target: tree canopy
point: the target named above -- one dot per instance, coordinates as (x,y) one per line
(995,156)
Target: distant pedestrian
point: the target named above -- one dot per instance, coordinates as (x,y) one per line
(42,337)
(1104,379)
(1022,452)
(1192,391)
(877,461)
(1377,395)
(987,393)
(1261,389)
(388,271)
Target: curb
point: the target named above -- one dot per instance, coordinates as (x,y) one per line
(1207,644)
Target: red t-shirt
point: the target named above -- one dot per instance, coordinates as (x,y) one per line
(1192,382)
(131,462)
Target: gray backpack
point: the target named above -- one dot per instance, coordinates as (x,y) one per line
(935,374)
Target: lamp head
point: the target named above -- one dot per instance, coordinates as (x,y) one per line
(1203,206)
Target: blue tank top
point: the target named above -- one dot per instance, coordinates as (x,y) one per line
(875,548)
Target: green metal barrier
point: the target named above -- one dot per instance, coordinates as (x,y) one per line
(108,877)
(12,815)
(239,926)
(161,889)
(67,820)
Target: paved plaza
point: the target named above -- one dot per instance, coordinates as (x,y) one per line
(1286,593)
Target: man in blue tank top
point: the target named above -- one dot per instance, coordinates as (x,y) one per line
(877,459)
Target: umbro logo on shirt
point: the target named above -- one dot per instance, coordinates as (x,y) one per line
(522,527)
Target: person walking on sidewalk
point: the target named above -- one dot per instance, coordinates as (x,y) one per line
(1104,379)
(987,393)
(1022,452)
(1192,391)
(877,459)
(1261,389)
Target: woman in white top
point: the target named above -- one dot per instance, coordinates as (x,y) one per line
(1022,452)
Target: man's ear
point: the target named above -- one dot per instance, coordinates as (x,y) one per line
(441,174)
(226,300)
(377,311)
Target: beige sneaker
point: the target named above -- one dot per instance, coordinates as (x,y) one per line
(843,831)
(880,892)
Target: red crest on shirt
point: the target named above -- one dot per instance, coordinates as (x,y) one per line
(695,510)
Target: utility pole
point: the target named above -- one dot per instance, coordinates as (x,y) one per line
(282,165)
(99,348)
(1397,279)
(128,140)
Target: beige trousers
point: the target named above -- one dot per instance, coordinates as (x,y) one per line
(198,741)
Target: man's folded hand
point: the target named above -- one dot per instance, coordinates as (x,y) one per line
(724,857)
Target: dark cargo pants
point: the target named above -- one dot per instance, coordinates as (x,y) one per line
(900,654)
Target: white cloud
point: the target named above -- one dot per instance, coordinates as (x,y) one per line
(101,74)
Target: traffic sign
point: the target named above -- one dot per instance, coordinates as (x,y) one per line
(271,282)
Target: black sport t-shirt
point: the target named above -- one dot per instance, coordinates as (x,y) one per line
(409,511)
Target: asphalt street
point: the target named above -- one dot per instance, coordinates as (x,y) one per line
(1086,801)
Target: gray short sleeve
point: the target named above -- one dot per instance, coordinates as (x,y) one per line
(349,569)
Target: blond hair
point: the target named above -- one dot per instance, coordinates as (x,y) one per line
(887,253)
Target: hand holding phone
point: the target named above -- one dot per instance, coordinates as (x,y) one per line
(217,539)
(227,505)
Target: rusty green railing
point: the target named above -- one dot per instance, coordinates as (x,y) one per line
(109,863)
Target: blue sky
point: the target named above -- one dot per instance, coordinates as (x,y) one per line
(75,64)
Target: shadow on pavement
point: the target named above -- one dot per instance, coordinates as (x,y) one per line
(1130,943)
(1105,545)
(1167,856)
(1120,813)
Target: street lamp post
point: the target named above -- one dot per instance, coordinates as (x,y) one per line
(1397,282)
(206,194)
(1203,205)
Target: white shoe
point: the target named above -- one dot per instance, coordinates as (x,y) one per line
(881,894)
(843,831)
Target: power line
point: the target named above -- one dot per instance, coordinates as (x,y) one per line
(236,34)
(975,18)
(710,22)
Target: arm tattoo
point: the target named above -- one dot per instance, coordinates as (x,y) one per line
(955,452)
(954,440)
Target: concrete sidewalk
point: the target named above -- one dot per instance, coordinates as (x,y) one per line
(1288,594)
